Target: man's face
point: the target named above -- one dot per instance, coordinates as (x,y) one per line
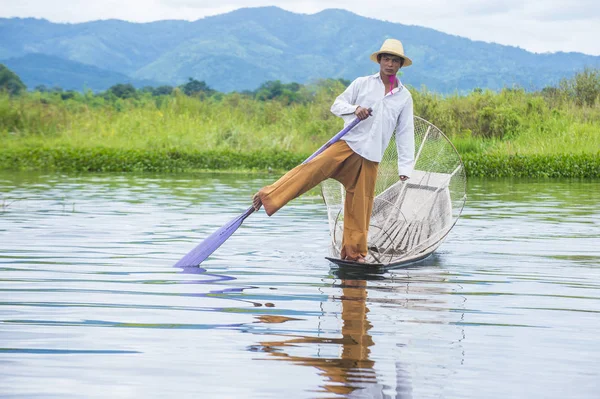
(389,64)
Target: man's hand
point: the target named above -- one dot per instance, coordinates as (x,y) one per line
(403,178)
(362,113)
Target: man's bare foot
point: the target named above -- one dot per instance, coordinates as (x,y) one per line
(256,202)
(360,259)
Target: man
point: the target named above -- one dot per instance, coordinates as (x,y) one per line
(353,160)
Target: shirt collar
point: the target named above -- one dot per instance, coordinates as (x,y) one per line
(397,89)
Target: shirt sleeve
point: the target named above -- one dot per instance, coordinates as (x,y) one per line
(405,139)
(344,104)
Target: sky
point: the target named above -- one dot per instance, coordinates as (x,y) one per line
(535,25)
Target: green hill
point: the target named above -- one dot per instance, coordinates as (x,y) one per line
(51,71)
(244,48)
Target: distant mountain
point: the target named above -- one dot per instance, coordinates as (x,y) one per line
(244,48)
(51,71)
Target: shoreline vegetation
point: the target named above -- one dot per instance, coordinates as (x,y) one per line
(554,132)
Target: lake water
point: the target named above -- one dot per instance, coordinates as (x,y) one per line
(92,307)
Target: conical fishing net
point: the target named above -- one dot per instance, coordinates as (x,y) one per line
(410,219)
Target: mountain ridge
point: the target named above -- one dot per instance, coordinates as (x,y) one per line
(68,75)
(244,48)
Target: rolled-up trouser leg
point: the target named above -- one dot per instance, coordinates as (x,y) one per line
(304,177)
(358,176)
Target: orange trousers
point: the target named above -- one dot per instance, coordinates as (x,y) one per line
(358,176)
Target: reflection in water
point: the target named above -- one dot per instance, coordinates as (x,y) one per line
(353,373)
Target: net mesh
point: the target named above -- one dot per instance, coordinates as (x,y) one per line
(409,219)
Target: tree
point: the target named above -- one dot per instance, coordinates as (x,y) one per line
(10,82)
(147,89)
(68,95)
(584,87)
(194,86)
(274,89)
(162,91)
(123,90)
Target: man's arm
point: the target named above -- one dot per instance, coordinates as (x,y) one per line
(345,103)
(405,140)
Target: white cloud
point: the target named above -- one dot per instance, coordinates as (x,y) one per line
(536,25)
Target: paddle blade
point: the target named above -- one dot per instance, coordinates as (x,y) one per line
(212,242)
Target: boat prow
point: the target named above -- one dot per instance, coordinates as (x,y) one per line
(375,268)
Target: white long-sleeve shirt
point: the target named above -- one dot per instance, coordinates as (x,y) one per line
(391,112)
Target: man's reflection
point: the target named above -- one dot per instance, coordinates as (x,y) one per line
(353,373)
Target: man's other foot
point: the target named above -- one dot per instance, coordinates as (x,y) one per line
(360,259)
(256,202)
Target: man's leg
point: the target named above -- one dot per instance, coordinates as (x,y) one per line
(302,178)
(358,176)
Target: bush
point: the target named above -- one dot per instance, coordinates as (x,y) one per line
(10,82)
(66,159)
(123,90)
(584,87)
(563,165)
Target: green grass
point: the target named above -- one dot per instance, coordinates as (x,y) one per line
(106,159)
(553,166)
(510,133)
(232,123)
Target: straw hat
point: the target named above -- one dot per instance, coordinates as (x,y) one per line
(392,46)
